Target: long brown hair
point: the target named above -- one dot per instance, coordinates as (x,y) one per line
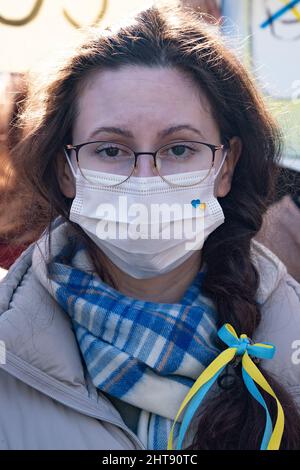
(162,37)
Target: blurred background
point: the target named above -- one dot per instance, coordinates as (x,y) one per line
(265,34)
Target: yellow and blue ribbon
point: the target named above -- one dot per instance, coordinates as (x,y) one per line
(241,346)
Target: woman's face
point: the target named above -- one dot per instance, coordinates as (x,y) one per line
(142,104)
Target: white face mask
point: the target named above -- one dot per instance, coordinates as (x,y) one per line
(124,220)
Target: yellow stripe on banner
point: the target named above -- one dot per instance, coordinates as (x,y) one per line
(223,358)
(257,376)
(294,10)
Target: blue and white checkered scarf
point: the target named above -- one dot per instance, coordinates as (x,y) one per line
(145,353)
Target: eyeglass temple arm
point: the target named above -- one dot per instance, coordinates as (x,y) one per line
(69,161)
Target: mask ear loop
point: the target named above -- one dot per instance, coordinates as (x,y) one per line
(70,164)
(222,162)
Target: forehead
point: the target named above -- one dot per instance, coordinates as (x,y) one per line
(142,99)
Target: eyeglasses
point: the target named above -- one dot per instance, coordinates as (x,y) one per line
(118,159)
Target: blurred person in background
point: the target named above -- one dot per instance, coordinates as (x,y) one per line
(280,231)
(16,231)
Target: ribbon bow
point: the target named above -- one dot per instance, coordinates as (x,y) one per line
(240,346)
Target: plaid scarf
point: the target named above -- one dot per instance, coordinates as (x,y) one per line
(145,353)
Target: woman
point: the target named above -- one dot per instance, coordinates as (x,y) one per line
(106,333)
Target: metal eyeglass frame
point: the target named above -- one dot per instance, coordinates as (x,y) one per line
(212,147)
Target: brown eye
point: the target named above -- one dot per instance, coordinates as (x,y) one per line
(111,151)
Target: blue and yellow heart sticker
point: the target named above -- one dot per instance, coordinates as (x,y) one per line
(197,203)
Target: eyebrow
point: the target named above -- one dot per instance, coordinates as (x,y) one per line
(126,133)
